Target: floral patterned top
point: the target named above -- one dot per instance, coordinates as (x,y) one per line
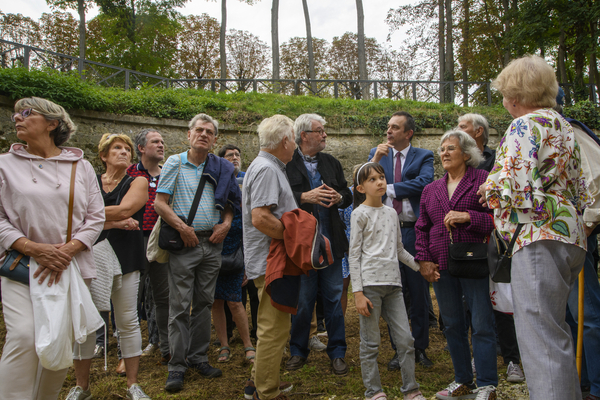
(537,180)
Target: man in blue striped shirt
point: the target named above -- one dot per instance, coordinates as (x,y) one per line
(193,270)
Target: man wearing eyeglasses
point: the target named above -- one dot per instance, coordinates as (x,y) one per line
(318,183)
(408,170)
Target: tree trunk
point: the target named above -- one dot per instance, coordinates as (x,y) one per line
(222,49)
(441,47)
(362,56)
(465,51)
(275,43)
(505,5)
(562,70)
(593,64)
(81,11)
(449,53)
(311,55)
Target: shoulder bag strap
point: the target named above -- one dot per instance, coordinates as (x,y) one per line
(514,239)
(196,201)
(71,196)
(175,186)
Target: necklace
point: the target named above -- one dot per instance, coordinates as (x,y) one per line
(111,183)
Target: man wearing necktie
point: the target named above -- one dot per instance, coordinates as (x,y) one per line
(407,170)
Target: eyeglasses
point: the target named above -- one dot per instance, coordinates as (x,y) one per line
(449,148)
(320,132)
(25,113)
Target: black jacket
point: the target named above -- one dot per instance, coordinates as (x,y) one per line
(332,175)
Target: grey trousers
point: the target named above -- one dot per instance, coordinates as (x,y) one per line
(543,274)
(193,276)
(388,303)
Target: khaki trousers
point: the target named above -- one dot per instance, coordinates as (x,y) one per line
(273,332)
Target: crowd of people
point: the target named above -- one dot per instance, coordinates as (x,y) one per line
(290,233)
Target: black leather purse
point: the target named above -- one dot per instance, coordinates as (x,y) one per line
(468,260)
(500,255)
(232,263)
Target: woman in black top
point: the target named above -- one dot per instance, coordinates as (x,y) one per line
(124,200)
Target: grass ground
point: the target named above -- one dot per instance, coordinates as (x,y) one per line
(313,381)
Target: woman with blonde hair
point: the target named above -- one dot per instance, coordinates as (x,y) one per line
(537,192)
(34,201)
(124,200)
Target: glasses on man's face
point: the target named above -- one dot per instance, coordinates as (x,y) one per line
(450,149)
(320,132)
(24,114)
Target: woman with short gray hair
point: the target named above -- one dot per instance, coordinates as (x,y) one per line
(450,212)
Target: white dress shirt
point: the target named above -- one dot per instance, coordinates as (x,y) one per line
(407,214)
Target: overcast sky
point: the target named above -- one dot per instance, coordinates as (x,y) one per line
(329,18)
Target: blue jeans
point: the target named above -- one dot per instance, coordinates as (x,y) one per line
(449,291)
(389,304)
(590,366)
(331,282)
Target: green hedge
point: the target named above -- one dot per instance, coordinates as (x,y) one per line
(245,109)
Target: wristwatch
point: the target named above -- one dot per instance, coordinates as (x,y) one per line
(590,224)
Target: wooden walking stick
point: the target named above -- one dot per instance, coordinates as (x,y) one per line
(580,324)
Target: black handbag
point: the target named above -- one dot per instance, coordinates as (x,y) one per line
(500,255)
(169,237)
(16,267)
(468,260)
(232,263)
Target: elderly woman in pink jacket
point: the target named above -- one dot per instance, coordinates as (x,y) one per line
(450,206)
(34,198)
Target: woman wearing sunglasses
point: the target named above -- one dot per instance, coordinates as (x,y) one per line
(34,198)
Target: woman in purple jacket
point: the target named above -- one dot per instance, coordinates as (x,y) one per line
(451,205)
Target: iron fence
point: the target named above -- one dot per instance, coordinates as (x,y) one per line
(463,93)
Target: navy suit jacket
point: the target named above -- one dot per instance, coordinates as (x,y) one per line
(416,174)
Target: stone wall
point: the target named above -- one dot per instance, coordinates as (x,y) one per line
(351,147)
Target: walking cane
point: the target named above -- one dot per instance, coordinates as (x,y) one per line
(580,325)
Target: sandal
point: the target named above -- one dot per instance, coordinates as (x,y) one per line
(252,357)
(224,354)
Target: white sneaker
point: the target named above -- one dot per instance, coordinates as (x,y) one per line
(98,352)
(315,344)
(135,392)
(77,393)
(149,350)
(514,373)
(485,393)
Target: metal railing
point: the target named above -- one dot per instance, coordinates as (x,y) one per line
(464,93)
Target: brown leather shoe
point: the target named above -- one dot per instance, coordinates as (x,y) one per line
(121,368)
(339,366)
(294,363)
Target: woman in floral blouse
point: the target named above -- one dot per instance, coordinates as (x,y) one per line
(537,182)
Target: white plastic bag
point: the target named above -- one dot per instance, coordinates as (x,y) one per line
(62,313)
(153,252)
(501,297)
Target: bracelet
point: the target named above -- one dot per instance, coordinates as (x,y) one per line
(25,247)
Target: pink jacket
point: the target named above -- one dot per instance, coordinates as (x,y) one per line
(34,201)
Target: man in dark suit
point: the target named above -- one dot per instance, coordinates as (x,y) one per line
(407,170)
(318,183)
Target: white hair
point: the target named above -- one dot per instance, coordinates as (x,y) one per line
(272,130)
(467,145)
(478,121)
(304,124)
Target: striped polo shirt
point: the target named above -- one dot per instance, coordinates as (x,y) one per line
(207,215)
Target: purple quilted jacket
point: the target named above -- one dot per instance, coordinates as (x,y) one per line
(432,236)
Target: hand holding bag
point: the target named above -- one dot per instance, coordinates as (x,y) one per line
(500,255)
(468,260)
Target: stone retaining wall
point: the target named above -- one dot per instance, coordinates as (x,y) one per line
(351,147)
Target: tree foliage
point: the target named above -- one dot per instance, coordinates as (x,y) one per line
(294,58)
(198,55)
(248,56)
